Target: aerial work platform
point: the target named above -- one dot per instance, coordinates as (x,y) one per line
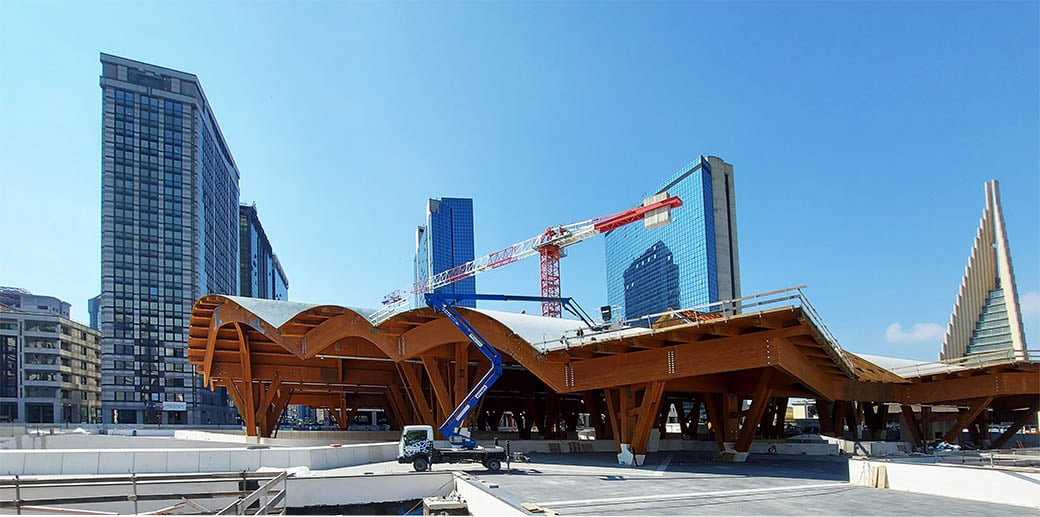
(743,359)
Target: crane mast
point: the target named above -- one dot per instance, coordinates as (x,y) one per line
(655,211)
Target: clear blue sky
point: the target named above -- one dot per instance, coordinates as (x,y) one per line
(861,136)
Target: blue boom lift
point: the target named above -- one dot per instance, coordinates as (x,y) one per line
(417,445)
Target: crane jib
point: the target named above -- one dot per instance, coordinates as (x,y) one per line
(559,236)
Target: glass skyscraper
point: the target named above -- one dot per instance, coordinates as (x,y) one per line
(444,242)
(691,261)
(169,234)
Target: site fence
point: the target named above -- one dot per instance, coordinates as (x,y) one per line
(257,493)
(1021,457)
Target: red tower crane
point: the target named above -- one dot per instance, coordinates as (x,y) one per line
(655,212)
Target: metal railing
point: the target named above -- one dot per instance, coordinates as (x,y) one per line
(267,499)
(706,314)
(982,360)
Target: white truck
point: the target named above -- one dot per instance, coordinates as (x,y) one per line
(418,447)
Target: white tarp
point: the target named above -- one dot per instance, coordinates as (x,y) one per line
(277,312)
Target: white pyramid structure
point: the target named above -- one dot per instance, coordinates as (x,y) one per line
(987,317)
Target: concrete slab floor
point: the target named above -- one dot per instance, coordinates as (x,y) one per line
(691,484)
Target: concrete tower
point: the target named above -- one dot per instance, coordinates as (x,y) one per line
(986,317)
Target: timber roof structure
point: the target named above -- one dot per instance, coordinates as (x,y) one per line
(418,365)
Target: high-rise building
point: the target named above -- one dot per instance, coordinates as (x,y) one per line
(50,366)
(260,273)
(169,234)
(22,299)
(444,242)
(986,317)
(94,309)
(692,261)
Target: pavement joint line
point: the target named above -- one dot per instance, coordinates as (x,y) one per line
(664,466)
(688,495)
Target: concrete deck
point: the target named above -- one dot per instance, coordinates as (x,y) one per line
(685,483)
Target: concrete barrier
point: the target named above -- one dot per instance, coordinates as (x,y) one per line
(343,490)
(482,499)
(1001,485)
(869,448)
(122,461)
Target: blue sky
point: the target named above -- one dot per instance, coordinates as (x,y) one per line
(861,136)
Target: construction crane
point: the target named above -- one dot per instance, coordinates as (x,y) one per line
(549,245)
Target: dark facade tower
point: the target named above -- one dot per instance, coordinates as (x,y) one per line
(260,273)
(692,261)
(444,242)
(169,234)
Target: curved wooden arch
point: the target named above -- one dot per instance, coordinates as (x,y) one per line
(419,366)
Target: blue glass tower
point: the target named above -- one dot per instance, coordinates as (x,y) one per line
(691,261)
(444,242)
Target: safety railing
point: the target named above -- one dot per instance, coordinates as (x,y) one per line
(996,357)
(710,313)
(255,493)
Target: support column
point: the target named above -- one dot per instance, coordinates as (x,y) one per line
(416,395)
(926,424)
(440,387)
(759,402)
(731,412)
(645,417)
(714,405)
(612,396)
(281,400)
(915,427)
(825,417)
(967,416)
(246,388)
(266,399)
(460,374)
(1020,422)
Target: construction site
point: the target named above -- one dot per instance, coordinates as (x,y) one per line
(548,414)
(733,364)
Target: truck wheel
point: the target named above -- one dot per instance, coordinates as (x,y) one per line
(420,464)
(493,465)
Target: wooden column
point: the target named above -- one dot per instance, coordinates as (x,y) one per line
(613,396)
(263,410)
(825,416)
(416,395)
(761,398)
(714,405)
(461,374)
(444,405)
(912,422)
(646,416)
(968,415)
(626,416)
(281,400)
(731,411)
(246,386)
(1020,422)
(926,424)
